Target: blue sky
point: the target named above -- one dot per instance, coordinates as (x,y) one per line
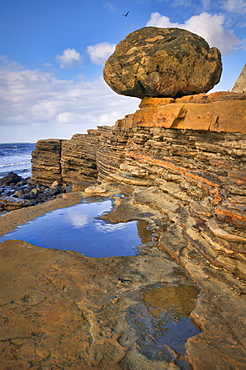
(52,55)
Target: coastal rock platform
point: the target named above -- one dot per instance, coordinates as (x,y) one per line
(62,310)
(177,165)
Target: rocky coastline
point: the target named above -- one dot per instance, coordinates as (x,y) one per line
(179,162)
(191,185)
(17,192)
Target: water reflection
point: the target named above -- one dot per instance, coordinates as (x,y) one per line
(170,308)
(180,299)
(79,228)
(107,228)
(77,220)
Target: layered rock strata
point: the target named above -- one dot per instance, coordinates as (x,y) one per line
(82,159)
(46,165)
(100,152)
(217,112)
(184,149)
(185,159)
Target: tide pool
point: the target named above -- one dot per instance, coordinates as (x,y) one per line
(79,228)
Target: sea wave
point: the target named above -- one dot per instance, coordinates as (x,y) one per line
(16,157)
(16,164)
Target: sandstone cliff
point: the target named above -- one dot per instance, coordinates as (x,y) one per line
(189,151)
(181,161)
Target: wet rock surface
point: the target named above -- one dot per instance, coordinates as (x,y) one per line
(61,309)
(11,178)
(16,192)
(168,62)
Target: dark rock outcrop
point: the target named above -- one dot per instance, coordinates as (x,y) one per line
(11,204)
(11,178)
(167,62)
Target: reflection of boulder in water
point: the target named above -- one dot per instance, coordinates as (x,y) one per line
(179,298)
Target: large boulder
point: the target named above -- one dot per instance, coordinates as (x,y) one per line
(163,62)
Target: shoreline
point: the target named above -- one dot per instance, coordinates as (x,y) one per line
(12,219)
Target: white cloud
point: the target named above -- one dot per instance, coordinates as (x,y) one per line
(34,104)
(211,27)
(77,219)
(110,7)
(99,53)
(235,6)
(206,4)
(107,228)
(158,20)
(177,3)
(69,58)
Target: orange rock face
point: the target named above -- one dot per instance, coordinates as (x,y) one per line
(214,112)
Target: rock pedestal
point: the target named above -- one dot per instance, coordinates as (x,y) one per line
(214,112)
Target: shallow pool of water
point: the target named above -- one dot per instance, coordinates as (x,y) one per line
(79,228)
(163,324)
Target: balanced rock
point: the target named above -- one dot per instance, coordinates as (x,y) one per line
(163,62)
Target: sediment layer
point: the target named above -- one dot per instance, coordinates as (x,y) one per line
(196,171)
(185,160)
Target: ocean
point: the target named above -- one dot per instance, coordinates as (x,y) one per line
(16,157)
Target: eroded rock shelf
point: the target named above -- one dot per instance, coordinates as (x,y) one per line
(184,158)
(181,161)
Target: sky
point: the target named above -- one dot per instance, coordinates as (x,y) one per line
(52,54)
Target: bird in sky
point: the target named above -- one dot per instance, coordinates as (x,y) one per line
(125,15)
